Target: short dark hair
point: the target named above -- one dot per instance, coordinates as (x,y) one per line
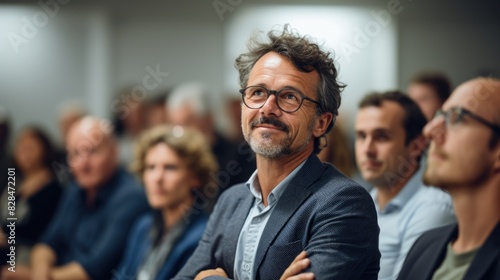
(438,81)
(413,120)
(307,57)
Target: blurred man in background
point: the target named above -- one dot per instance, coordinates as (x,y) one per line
(86,238)
(389,144)
(191,105)
(429,90)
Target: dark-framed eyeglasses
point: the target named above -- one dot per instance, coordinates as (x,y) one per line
(288,100)
(455,116)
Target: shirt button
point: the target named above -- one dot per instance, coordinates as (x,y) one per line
(246,266)
(257,220)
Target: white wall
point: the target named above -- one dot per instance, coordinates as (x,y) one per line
(90,49)
(53,64)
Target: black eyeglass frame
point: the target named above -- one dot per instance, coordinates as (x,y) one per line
(276,94)
(464,112)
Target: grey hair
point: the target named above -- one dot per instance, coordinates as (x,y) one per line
(307,57)
(194,94)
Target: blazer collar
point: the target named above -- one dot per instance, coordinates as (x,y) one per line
(485,256)
(296,192)
(449,233)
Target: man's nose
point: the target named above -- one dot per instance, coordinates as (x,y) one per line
(369,147)
(270,107)
(435,130)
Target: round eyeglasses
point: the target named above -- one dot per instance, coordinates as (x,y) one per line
(288,100)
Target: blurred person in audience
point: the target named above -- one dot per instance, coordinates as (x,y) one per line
(464,160)
(388,146)
(337,151)
(37,192)
(88,233)
(190,105)
(429,90)
(156,111)
(5,160)
(234,111)
(129,108)
(295,214)
(69,114)
(174,164)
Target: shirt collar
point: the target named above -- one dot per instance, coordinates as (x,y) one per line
(253,185)
(406,193)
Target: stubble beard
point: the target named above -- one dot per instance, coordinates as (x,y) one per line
(270,149)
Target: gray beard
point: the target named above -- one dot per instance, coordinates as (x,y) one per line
(271,150)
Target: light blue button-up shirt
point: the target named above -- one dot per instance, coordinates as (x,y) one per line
(255,223)
(414,210)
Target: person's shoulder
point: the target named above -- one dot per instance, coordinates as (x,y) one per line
(144,222)
(334,190)
(432,195)
(332,180)
(127,185)
(438,234)
(127,180)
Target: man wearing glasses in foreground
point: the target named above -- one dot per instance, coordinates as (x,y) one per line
(464,159)
(293,202)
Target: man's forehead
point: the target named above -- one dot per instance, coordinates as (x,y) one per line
(271,61)
(480,95)
(389,115)
(90,131)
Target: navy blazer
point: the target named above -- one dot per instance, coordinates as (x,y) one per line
(428,252)
(321,211)
(139,243)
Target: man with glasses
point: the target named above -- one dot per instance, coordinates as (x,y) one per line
(464,159)
(295,215)
(86,237)
(389,144)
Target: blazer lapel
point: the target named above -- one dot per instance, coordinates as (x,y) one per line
(232,232)
(438,251)
(485,256)
(296,192)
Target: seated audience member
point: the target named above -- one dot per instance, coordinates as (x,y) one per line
(464,159)
(190,105)
(175,165)
(389,144)
(36,189)
(429,90)
(5,161)
(85,240)
(337,151)
(129,120)
(69,113)
(295,216)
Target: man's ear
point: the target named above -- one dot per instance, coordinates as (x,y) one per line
(321,124)
(496,157)
(417,148)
